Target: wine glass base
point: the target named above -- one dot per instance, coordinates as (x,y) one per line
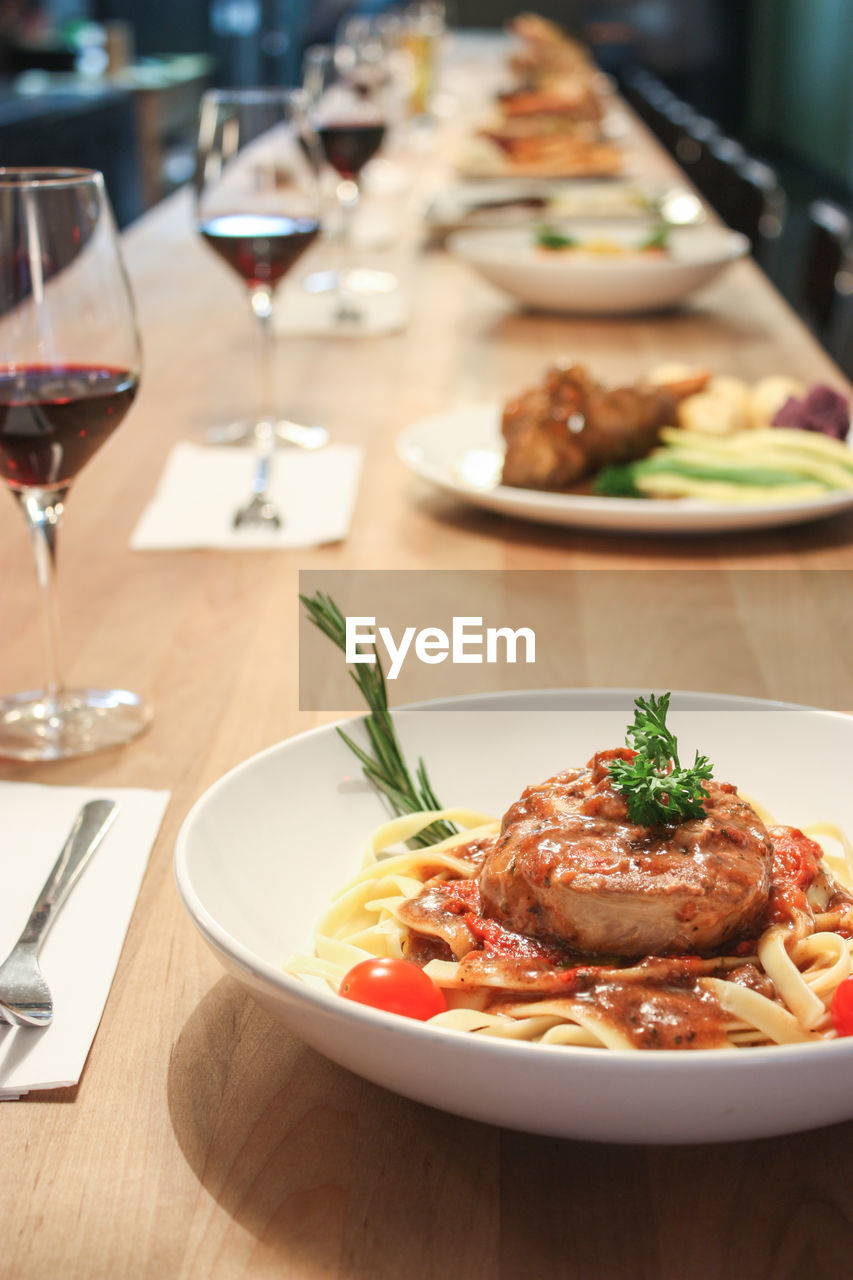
(74,722)
(349,315)
(361,280)
(286,432)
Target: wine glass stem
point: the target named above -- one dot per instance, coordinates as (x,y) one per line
(348,198)
(42,510)
(261,299)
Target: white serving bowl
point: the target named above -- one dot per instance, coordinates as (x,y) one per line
(574,280)
(262,851)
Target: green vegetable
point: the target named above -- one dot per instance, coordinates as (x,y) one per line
(549,238)
(655,786)
(618,481)
(384,764)
(657,239)
(709,464)
(696,468)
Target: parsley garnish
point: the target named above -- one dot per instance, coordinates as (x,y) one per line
(658,238)
(655,785)
(551,238)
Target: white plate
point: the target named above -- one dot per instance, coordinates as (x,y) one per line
(599,284)
(462,451)
(501,204)
(262,851)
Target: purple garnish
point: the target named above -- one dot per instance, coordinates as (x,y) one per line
(822,409)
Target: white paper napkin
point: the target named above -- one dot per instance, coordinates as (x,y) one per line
(300,312)
(201,488)
(81,951)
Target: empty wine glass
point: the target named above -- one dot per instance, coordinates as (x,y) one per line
(258,207)
(69,373)
(347,93)
(368,44)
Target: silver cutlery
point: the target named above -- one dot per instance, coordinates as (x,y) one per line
(25,998)
(260,509)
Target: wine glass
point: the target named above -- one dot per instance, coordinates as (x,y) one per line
(368,43)
(423,30)
(69,371)
(257,205)
(347,93)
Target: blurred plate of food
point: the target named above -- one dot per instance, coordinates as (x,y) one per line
(558,118)
(585,267)
(475,205)
(680,451)
(544,55)
(495,153)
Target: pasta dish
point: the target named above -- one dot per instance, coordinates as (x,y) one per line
(570,921)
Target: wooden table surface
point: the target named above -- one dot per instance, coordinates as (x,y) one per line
(204,1140)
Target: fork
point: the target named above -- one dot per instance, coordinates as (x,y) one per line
(260,509)
(25,998)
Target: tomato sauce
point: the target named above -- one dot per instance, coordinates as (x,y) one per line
(795,865)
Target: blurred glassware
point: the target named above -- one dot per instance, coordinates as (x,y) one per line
(258,207)
(348,102)
(362,50)
(70,371)
(423,29)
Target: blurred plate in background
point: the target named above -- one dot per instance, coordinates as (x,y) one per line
(618,280)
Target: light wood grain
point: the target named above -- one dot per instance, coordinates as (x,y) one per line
(206,1141)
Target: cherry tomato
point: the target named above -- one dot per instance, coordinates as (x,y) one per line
(842,1008)
(398,986)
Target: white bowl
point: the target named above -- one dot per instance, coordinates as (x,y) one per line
(577,281)
(261,852)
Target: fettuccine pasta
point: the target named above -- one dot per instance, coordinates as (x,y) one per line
(770,982)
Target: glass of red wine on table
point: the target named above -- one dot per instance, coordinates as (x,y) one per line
(257,205)
(348,104)
(69,372)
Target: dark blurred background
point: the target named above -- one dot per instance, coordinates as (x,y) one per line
(115,84)
(775,74)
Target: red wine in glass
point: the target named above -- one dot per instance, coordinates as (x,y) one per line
(261,248)
(54,417)
(257,206)
(348,145)
(69,371)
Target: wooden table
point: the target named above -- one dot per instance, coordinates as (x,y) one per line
(206,1141)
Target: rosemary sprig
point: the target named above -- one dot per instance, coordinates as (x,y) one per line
(383,763)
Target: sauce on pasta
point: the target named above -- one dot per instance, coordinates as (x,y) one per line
(566,923)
